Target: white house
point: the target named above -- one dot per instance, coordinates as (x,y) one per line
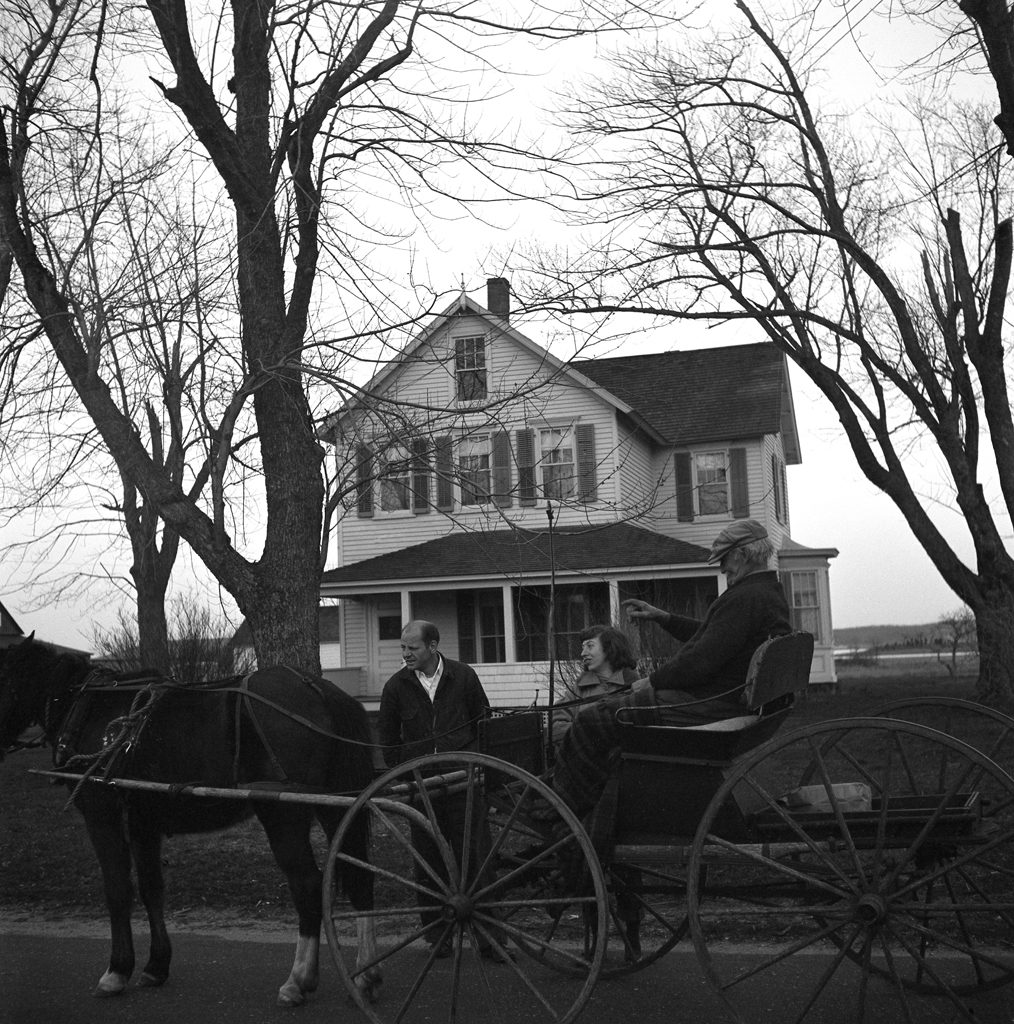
(489,477)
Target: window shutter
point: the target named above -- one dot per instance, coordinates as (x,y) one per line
(502,469)
(445,471)
(420,476)
(364,482)
(587,464)
(466,626)
(776,487)
(684,488)
(785,491)
(526,466)
(737,481)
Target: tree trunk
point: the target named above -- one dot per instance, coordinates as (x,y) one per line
(994,627)
(284,624)
(152,627)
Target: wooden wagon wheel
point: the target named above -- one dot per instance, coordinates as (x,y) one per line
(652,893)
(496,888)
(894,890)
(990,731)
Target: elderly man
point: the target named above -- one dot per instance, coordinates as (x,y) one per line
(706,677)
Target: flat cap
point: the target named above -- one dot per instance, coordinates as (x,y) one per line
(735,535)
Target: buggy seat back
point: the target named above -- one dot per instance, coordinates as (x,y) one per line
(670,772)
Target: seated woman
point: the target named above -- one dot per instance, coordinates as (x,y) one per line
(707,675)
(609,667)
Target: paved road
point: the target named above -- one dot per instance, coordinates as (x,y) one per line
(231,978)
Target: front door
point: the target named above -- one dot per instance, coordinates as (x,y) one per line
(385,630)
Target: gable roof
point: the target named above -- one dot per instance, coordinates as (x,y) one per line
(515,553)
(708,394)
(718,393)
(8,627)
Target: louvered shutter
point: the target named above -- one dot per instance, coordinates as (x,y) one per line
(420,476)
(364,482)
(502,497)
(776,488)
(587,464)
(445,473)
(525,444)
(684,488)
(738,484)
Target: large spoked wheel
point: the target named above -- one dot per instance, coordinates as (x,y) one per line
(991,732)
(882,871)
(646,918)
(470,859)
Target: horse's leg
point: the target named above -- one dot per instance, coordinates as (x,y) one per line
(358,886)
(147,849)
(108,835)
(288,831)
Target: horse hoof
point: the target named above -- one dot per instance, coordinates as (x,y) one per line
(110,984)
(290,995)
(150,980)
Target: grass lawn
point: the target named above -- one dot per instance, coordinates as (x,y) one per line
(47,868)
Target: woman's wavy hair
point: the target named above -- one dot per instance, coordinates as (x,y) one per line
(615,645)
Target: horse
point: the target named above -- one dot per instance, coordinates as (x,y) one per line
(276,727)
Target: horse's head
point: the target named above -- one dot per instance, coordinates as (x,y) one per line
(31,673)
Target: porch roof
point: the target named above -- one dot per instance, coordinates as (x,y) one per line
(514,553)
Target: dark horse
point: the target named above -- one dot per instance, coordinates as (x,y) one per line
(275,726)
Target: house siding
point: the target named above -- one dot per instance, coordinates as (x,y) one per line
(425,382)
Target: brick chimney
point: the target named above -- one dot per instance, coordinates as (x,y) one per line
(498,296)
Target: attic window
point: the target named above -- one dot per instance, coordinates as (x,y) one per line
(470,369)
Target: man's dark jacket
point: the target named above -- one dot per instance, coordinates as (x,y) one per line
(716,654)
(409,724)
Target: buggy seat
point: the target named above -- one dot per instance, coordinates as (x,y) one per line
(669,773)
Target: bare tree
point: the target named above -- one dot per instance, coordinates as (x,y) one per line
(877,259)
(322,124)
(200,644)
(957,633)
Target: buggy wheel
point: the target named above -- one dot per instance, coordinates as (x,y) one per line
(647,916)
(645,919)
(895,888)
(493,880)
(991,732)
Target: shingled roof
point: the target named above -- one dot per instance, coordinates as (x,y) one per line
(709,394)
(514,553)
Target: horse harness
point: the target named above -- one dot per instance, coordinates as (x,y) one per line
(123,733)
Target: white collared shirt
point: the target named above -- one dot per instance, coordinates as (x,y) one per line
(430,683)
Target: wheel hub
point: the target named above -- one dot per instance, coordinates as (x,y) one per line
(871,909)
(458,908)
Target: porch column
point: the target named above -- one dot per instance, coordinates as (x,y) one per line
(510,640)
(406,607)
(615,611)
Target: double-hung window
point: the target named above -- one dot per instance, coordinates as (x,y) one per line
(712,479)
(470,369)
(559,471)
(804,602)
(396,480)
(473,470)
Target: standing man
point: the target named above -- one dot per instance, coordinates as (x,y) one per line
(432,705)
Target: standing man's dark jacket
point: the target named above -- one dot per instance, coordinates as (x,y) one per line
(409,724)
